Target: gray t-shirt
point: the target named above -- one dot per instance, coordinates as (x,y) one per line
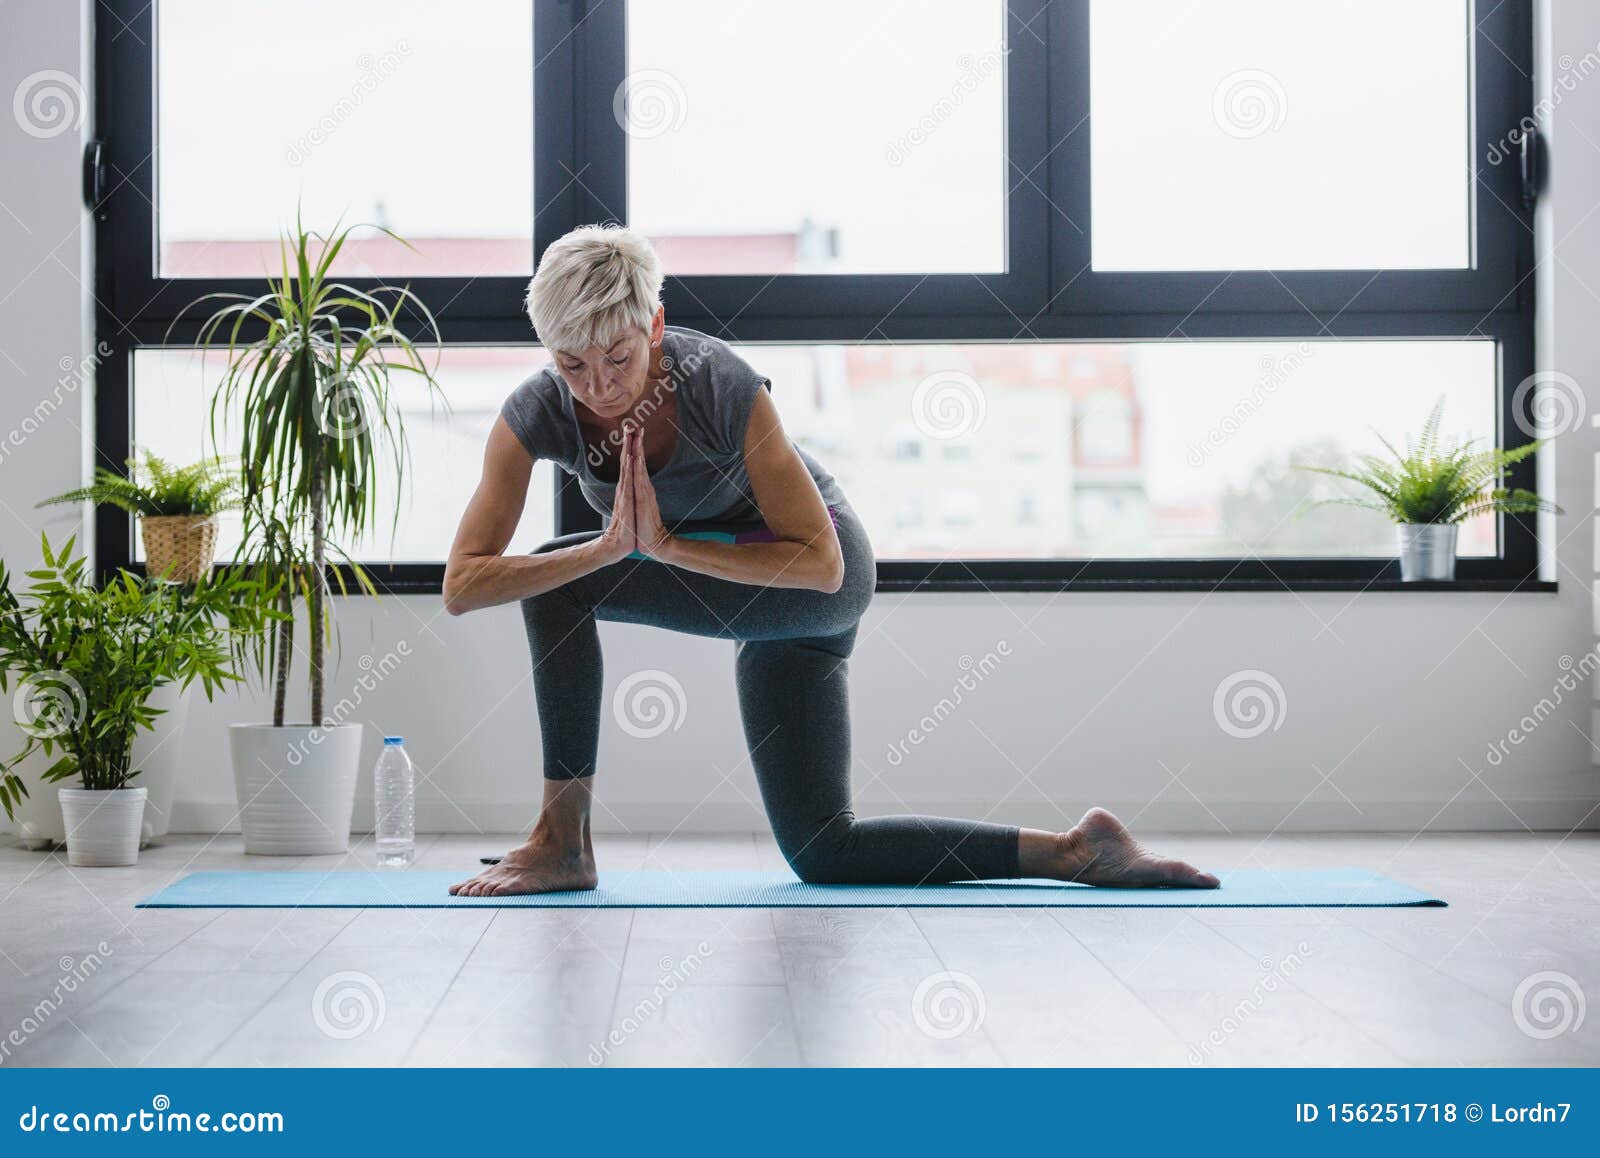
(705,479)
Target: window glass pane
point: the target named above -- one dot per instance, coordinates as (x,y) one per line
(837,137)
(409,113)
(1131,450)
(172,406)
(1259,134)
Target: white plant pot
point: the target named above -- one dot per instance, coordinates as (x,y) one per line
(158,754)
(38,823)
(102,825)
(296,786)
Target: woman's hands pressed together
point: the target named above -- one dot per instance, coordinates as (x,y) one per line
(650,533)
(636,523)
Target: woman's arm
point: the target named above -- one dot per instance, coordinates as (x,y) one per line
(806,552)
(478,575)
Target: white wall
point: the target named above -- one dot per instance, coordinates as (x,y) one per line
(1392,701)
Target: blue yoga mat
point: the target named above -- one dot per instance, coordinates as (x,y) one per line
(1245,888)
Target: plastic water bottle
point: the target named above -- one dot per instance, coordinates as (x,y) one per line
(394,796)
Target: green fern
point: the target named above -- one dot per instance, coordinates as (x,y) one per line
(202,488)
(1435,483)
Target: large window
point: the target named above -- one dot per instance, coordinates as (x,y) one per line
(830,155)
(412,114)
(1248,134)
(1064,292)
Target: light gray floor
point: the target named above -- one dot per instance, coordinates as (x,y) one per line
(89,980)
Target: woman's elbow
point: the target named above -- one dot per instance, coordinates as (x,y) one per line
(452,589)
(832,578)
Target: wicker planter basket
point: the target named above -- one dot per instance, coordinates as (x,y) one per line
(179,547)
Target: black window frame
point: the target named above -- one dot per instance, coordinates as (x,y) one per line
(1049,292)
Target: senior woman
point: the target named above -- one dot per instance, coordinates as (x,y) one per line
(669,432)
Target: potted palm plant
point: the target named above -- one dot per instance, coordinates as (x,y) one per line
(1434,487)
(177,508)
(312,367)
(86,661)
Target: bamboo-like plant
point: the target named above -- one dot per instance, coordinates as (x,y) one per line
(311,368)
(156,489)
(87,658)
(1436,482)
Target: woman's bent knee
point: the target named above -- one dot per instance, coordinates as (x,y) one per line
(821,856)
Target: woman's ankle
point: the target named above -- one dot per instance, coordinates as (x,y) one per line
(1047,855)
(563,823)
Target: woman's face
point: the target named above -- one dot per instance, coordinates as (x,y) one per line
(608,380)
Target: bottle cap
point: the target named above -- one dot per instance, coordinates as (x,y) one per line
(392,741)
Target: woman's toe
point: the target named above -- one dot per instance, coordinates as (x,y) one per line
(1186,875)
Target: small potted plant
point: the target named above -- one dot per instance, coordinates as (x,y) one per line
(86,660)
(1434,487)
(312,366)
(177,508)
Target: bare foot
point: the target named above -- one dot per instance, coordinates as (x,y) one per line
(536,867)
(1101,851)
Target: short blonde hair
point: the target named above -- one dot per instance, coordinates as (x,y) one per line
(592,286)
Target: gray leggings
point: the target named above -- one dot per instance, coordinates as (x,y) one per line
(791,669)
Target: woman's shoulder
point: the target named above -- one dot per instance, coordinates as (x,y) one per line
(536,415)
(715,383)
(700,356)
